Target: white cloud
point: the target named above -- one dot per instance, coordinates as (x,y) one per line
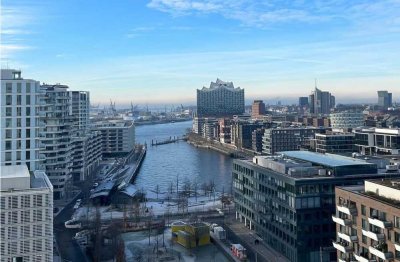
(183,6)
(380,15)
(16,22)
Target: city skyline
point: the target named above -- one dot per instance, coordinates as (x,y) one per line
(161,51)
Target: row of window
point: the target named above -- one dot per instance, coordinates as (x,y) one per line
(9,88)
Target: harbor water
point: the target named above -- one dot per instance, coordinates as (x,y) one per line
(164,164)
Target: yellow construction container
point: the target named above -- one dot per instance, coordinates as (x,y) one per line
(191,235)
(177,226)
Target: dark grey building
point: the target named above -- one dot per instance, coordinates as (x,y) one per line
(219,100)
(257,136)
(339,143)
(303,101)
(285,139)
(241,134)
(289,200)
(384,99)
(321,102)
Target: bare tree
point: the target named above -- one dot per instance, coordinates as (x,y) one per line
(204,187)
(97,236)
(136,210)
(171,188)
(120,254)
(187,187)
(195,187)
(157,189)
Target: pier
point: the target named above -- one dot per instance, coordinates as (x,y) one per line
(169,140)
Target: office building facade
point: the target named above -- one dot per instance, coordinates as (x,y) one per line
(219,100)
(346,120)
(285,139)
(367,221)
(289,200)
(334,143)
(26,215)
(377,141)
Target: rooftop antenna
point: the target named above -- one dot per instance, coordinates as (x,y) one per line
(315,82)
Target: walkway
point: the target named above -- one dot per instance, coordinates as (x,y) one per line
(246,237)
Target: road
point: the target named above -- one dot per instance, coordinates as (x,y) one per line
(67,247)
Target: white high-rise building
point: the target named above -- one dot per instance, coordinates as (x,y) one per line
(20,123)
(118,136)
(26,215)
(57,138)
(86,144)
(79,109)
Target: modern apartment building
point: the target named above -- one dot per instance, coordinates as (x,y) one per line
(86,144)
(26,215)
(79,110)
(225,130)
(210,127)
(372,141)
(334,143)
(57,137)
(286,139)
(118,136)
(288,200)
(346,120)
(257,137)
(87,154)
(20,120)
(368,221)
(321,102)
(241,134)
(257,109)
(197,127)
(219,100)
(384,99)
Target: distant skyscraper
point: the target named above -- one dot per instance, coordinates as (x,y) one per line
(303,101)
(257,109)
(384,99)
(20,103)
(321,102)
(220,99)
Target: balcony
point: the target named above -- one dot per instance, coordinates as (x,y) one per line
(380,253)
(373,235)
(347,237)
(341,221)
(360,258)
(379,222)
(342,247)
(352,210)
(397,246)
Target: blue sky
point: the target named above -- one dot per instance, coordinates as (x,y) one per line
(161,51)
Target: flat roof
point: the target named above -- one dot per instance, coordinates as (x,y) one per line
(330,160)
(14,171)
